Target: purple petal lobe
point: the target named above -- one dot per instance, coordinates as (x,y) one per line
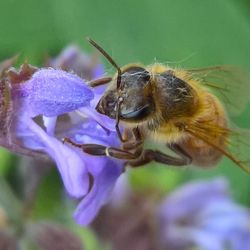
(99,194)
(203,215)
(53,92)
(70,165)
(200,193)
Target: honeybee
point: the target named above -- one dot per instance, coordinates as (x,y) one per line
(174,107)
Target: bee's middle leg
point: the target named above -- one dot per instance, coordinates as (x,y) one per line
(149,155)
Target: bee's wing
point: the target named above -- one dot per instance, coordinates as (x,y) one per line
(237,142)
(239,147)
(230,84)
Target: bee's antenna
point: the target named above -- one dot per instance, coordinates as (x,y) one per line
(109,58)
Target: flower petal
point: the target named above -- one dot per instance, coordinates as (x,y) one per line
(53,92)
(70,165)
(223,217)
(192,197)
(99,194)
(202,214)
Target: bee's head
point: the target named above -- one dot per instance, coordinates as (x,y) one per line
(131,99)
(129,95)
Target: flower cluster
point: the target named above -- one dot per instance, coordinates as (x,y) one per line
(203,215)
(41,106)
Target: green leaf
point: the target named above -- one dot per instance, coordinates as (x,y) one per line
(5,160)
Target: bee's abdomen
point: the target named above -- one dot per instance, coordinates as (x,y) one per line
(202,154)
(208,134)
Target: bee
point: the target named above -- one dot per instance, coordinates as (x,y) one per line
(173,107)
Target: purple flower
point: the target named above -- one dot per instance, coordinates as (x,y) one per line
(73,59)
(203,215)
(44,107)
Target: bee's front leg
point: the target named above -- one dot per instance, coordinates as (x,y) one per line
(134,139)
(101,150)
(99,81)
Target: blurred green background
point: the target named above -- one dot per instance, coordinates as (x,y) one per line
(190,33)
